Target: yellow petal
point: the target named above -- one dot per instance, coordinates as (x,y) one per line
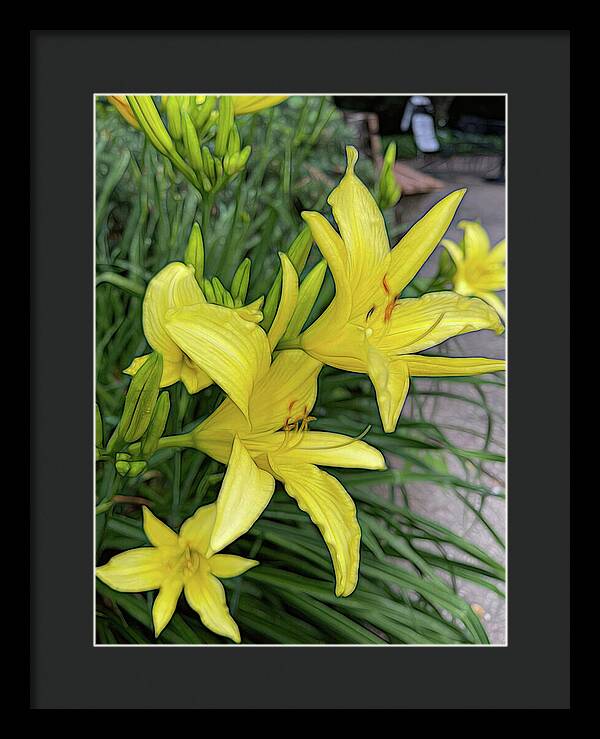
(171,370)
(391,381)
(228,565)
(244,494)
(330,450)
(134,571)
(493,300)
(419,323)
(339,310)
(165,602)
(243,104)
(362,228)
(333,511)
(287,302)
(498,253)
(477,242)
(287,389)
(206,596)
(426,366)
(197,529)
(454,250)
(194,378)
(121,104)
(157,532)
(415,247)
(173,287)
(233,352)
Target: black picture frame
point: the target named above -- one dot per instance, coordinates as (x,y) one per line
(66,69)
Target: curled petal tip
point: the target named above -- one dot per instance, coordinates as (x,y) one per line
(352,158)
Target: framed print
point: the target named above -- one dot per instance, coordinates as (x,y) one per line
(291,310)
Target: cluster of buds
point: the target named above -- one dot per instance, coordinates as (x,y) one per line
(142,422)
(213,289)
(388,190)
(192,123)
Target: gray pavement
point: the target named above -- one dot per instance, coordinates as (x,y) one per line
(484,201)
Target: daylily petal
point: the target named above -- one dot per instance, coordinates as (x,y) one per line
(477,242)
(134,571)
(454,250)
(362,228)
(206,596)
(244,494)
(157,532)
(173,287)
(193,377)
(331,450)
(121,104)
(171,370)
(415,247)
(287,389)
(332,510)
(391,380)
(233,352)
(417,324)
(243,104)
(197,529)
(498,253)
(287,301)
(427,366)
(229,565)
(165,602)
(493,300)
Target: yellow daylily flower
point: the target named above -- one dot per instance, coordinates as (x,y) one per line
(179,562)
(243,104)
(121,103)
(274,443)
(200,342)
(480,269)
(368,327)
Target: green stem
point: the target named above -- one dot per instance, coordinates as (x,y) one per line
(179,441)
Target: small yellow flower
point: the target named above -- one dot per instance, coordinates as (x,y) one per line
(368,327)
(179,562)
(202,343)
(275,443)
(480,269)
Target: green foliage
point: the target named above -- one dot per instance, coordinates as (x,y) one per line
(410,565)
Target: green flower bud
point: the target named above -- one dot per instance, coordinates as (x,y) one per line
(136,468)
(192,145)
(122,468)
(241,279)
(151,122)
(201,114)
(156,426)
(298,254)
(174,117)
(208,290)
(224,125)
(208,163)
(309,290)
(234,142)
(141,399)
(194,253)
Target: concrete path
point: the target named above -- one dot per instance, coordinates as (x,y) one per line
(484,201)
